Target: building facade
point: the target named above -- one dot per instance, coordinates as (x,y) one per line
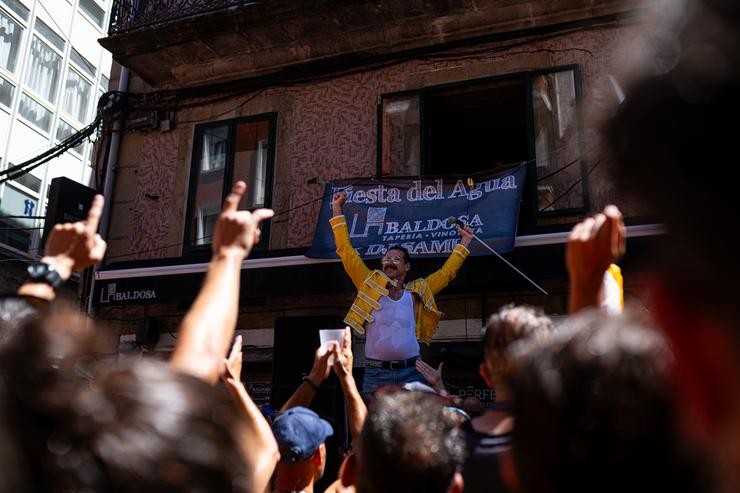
(52,74)
(290,95)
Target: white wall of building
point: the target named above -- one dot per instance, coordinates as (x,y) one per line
(52,72)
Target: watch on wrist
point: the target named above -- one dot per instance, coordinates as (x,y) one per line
(43,272)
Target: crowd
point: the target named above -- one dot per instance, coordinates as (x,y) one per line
(604,402)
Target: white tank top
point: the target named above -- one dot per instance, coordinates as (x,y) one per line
(392,335)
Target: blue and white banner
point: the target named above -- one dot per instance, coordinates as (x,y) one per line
(383,212)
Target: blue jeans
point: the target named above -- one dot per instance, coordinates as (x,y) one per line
(376,377)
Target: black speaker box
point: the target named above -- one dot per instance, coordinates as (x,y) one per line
(69,201)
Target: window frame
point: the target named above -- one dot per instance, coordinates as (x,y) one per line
(526,76)
(89,18)
(15,77)
(271,117)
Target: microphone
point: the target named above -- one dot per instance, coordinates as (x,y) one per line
(453,220)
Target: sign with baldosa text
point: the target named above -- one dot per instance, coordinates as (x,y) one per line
(415,213)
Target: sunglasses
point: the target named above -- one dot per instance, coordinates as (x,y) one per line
(391,260)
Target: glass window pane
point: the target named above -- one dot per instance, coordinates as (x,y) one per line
(43,71)
(29,181)
(93,11)
(17,7)
(557,142)
(35,113)
(250,161)
(10,41)
(209,184)
(77,91)
(83,63)
(401,134)
(6,92)
(50,35)
(15,232)
(63,131)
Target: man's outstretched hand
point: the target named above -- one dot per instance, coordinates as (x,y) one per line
(73,247)
(432,376)
(337,202)
(466,235)
(236,231)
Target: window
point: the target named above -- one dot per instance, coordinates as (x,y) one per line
(16,231)
(479,125)
(35,113)
(83,63)
(18,8)
(6,92)
(224,152)
(29,181)
(10,42)
(77,92)
(93,11)
(42,74)
(65,130)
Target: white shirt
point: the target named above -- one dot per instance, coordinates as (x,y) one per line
(392,335)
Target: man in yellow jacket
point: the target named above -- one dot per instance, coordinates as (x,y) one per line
(394,314)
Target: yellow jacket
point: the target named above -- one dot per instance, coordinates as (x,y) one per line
(371,285)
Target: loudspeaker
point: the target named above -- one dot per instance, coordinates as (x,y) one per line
(69,201)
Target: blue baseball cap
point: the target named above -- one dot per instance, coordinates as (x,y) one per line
(299,432)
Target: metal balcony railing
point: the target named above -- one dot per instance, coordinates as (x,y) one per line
(127,15)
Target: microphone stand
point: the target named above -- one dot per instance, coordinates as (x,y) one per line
(460,223)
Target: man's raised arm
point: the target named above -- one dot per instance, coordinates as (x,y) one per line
(208,327)
(353,264)
(439,279)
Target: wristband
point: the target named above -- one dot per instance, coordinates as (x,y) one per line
(311,383)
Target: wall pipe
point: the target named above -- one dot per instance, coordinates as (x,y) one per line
(110,172)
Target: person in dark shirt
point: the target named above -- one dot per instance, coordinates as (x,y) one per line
(488,437)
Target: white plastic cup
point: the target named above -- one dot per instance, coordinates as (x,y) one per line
(328,335)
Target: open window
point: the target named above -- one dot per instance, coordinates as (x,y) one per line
(484,124)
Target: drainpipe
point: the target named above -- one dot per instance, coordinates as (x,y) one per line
(110,168)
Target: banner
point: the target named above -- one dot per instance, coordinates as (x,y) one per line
(413,213)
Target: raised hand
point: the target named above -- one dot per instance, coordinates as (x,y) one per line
(593,245)
(466,235)
(232,369)
(322,362)
(434,377)
(236,231)
(73,247)
(338,202)
(345,358)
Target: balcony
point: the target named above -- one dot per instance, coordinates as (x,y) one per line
(181,43)
(127,15)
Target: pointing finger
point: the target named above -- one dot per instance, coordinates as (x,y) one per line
(93,215)
(236,348)
(232,200)
(262,214)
